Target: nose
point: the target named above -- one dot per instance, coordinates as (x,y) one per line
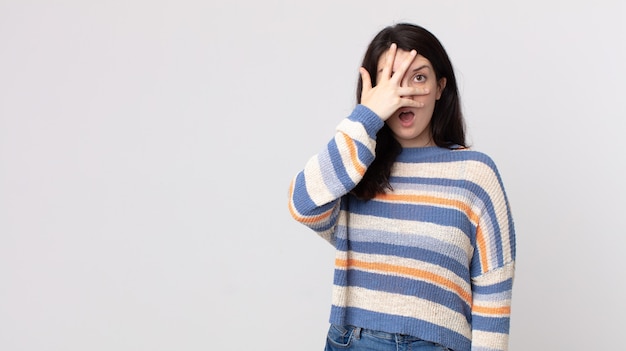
(404,83)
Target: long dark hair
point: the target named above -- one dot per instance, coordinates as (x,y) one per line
(447,124)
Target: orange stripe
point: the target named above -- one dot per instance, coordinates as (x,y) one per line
(492,310)
(417,273)
(301,218)
(432,200)
(482,249)
(353,155)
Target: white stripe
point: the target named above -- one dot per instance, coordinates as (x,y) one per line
(413,264)
(482,340)
(402,305)
(357,132)
(315,186)
(407,228)
(346,160)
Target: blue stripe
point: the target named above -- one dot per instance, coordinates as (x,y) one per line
(342,177)
(340,172)
(476,267)
(399,324)
(414,253)
(437,155)
(364,154)
(501,296)
(370,121)
(506,285)
(302,202)
(403,286)
(411,239)
(451,217)
(305,206)
(325,224)
(491,324)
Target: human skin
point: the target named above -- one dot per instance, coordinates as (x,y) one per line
(404,96)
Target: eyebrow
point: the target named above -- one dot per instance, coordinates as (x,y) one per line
(421,68)
(414,70)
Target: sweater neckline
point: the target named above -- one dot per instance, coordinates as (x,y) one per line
(411,154)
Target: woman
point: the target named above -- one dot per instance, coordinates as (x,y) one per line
(425,242)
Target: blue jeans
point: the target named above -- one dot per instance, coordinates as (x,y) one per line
(347,337)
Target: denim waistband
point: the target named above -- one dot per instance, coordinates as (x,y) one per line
(384,335)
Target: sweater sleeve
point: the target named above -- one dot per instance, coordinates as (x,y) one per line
(315,192)
(491,309)
(493,267)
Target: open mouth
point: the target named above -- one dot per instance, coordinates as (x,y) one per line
(406,116)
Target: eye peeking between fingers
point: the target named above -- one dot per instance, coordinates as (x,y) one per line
(419,78)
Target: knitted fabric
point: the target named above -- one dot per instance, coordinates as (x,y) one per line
(432,258)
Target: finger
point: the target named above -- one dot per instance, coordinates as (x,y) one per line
(406,102)
(399,74)
(411,91)
(391,56)
(366,78)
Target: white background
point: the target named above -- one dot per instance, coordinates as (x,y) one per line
(146,148)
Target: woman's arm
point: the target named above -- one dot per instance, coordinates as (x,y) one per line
(493,265)
(315,192)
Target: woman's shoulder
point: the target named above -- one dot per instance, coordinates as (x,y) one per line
(470,154)
(478,163)
(454,153)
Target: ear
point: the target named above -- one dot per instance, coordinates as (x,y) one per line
(441,84)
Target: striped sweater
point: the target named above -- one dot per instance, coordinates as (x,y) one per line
(433,257)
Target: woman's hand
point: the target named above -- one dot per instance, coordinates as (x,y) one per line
(389,95)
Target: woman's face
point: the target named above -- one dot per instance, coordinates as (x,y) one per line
(411,125)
